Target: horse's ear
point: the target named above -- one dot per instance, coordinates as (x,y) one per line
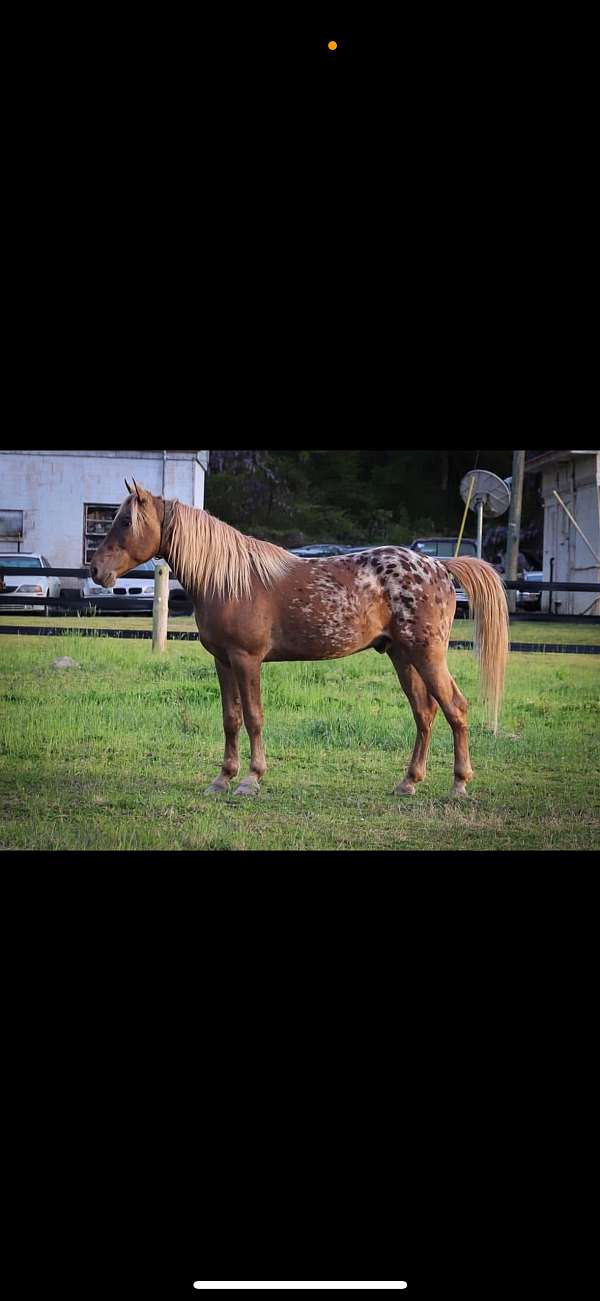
(140,493)
(129,489)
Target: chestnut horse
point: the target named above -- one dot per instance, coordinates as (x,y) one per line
(256,602)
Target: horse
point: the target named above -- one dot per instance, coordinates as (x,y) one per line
(255,603)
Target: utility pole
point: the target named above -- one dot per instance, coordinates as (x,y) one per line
(514,525)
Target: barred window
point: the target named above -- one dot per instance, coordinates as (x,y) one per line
(97,520)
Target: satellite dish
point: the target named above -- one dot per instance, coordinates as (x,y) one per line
(488,489)
(487,495)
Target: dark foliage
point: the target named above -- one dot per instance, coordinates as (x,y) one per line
(352,497)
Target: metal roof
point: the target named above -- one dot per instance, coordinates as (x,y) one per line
(535,460)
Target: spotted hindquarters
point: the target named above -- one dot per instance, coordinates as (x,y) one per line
(419,594)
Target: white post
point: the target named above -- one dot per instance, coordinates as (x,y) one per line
(513,531)
(160,608)
(479,527)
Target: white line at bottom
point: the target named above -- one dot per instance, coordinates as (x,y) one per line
(361,1286)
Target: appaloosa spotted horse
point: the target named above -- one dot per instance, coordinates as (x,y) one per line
(255,602)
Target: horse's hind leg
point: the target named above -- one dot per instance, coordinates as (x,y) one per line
(232,722)
(434,670)
(424,708)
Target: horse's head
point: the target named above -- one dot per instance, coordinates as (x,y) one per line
(135,536)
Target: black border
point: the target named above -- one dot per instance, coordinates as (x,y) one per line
(191,933)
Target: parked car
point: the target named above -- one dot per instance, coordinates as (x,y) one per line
(446,547)
(531,600)
(319,549)
(528,570)
(137,584)
(38,588)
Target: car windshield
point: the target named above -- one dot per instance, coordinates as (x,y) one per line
(448,547)
(143,571)
(7,563)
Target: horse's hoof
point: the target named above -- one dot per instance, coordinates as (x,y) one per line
(247,788)
(217,788)
(405,788)
(459,791)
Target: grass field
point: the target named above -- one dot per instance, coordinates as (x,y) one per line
(116,754)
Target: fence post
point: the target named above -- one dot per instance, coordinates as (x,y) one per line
(160,608)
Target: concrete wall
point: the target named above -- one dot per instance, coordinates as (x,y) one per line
(578,482)
(52,487)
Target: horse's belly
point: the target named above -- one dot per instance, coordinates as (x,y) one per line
(324,639)
(319,649)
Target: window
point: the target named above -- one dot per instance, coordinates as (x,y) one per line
(97,522)
(10,562)
(448,547)
(11,525)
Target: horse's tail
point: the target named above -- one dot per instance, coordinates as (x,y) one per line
(487,601)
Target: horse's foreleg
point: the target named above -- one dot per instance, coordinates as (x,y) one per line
(424,708)
(232,722)
(247,672)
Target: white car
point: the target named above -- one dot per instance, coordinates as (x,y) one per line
(15,584)
(137,584)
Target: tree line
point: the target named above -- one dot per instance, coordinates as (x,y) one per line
(352,497)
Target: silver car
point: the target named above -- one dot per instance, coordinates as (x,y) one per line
(530,600)
(38,588)
(137,584)
(319,549)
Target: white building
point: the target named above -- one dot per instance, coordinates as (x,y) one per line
(63,503)
(576,478)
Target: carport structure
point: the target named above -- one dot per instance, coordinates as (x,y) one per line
(571,554)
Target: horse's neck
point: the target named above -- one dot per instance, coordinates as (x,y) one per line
(165,546)
(166,551)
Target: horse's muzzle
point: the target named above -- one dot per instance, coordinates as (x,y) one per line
(104,577)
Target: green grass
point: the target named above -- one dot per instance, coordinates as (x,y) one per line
(116,754)
(566,634)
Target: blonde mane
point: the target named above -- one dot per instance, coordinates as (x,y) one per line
(212,558)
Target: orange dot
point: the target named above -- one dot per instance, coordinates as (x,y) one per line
(332,45)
